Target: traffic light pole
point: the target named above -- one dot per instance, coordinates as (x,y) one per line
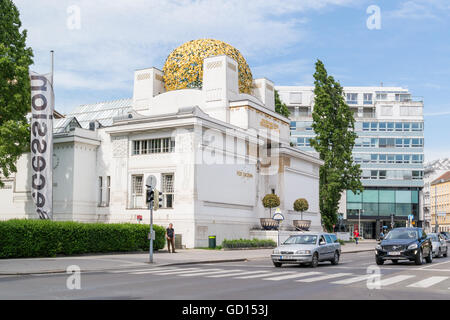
(151,232)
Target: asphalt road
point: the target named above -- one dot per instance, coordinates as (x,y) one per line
(356,277)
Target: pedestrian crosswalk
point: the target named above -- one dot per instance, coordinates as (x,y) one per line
(422,281)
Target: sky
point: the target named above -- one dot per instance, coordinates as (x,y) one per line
(98,45)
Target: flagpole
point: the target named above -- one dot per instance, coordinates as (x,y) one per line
(52,57)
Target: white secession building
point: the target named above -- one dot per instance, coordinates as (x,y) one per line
(215,152)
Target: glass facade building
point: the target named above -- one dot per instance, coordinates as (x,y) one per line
(389,148)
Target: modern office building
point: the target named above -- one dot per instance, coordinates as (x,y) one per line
(389,148)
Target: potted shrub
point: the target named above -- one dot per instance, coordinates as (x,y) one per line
(270,201)
(301,205)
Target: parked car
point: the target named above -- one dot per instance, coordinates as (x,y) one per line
(411,244)
(446,236)
(308,248)
(439,245)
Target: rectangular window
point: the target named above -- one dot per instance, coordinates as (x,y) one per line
(382,96)
(352,98)
(366,126)
(108,190)
(406,126)
(374,158)
(100,190)
(137,192)
(373,126)
(406,143)
(398,126)
(416,126)
(390,126)
(382,126)
(368,98)
(406,158)
(382,158)
(398,143)
(163,145)
(167,190)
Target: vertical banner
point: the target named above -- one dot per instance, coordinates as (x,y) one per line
(42,106)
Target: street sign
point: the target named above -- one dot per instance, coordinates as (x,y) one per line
(278,216)
(150,181)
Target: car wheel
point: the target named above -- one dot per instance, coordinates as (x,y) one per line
(419,258)
(429,259)
(277,264)
(335,260)
(446,252)
(439,254)
(394,261)
(315,260)
(379,261)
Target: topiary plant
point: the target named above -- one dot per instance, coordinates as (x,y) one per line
(271,201)
(301,205)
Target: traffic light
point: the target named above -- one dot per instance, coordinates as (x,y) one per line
(158,201)
(150,195)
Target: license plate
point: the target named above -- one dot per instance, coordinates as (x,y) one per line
(285,257)
(394,253)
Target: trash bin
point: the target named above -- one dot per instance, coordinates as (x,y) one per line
(212,242)
(178,241)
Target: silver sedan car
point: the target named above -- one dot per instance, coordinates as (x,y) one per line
(307,248)
(439,245)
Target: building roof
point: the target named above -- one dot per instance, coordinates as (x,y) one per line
(443,178)
(103,112)
(440,164)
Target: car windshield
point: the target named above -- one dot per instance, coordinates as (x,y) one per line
(302,239)
(402,234)
(434,237)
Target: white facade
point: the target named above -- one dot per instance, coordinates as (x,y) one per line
(215,152)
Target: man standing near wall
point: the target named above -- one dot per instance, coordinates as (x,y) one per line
(170,236)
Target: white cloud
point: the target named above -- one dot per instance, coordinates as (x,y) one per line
(117,37)
(420,9)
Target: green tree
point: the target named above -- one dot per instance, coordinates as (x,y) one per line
(334,125)
(271,201)
(15,95)
(301,205)
(280,107)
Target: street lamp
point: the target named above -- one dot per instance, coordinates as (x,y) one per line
(359,220)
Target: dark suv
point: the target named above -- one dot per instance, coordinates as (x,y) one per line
(411,244)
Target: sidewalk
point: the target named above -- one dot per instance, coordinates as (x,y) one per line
(102,262)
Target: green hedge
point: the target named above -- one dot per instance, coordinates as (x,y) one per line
(247,243)
(44,238)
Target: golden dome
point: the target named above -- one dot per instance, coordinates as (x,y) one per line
(184,66)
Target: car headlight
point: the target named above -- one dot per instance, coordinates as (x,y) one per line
(303,252)
(378,247)
(276,251)
(412,246)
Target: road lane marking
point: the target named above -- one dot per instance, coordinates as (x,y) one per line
(165,271)
(184,271)
(201,273)
(292,276)
(396,279)
(238,274)
(263,275)
(426,283)
(326,277)
(353,279)
(434,264)
(140,270)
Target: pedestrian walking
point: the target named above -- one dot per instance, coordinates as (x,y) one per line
(170,236)
(356,236)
